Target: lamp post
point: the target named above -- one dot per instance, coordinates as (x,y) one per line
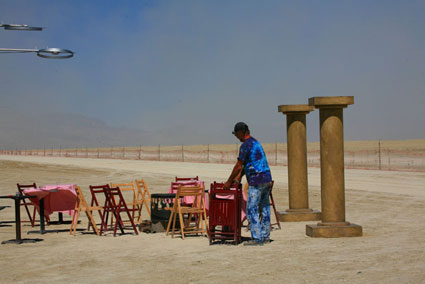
(51,53)
(20,27)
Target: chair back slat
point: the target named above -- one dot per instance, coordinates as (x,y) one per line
(186,178)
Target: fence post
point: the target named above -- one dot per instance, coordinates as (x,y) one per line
(379,153)
(123,152)
(275,154)
(208,153)
(159,152)
(44,152)
(140,152)
(98,152)
(182,153)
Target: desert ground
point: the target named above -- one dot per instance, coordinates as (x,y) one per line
(390,205)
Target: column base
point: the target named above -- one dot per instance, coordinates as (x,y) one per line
(299,215)
(344,229)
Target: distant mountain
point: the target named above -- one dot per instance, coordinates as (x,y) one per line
(50,129)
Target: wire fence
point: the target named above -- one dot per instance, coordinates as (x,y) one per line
(379,155)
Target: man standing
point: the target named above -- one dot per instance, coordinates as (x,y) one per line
(252,162)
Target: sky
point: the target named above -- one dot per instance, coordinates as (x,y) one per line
(184,72)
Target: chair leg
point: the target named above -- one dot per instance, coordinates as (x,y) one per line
(91,221)
(75,221)
(181,224)
(174,225)
(274,210)
(33,216)
(169,223)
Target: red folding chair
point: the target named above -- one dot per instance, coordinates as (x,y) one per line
(115,204)
(95,190)
(272,205)
(225,213)
(26,203)
(187,179)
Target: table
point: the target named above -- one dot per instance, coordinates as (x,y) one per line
(53,198)
(18,197)
(160,213)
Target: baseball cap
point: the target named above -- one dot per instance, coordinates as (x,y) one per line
(240,126)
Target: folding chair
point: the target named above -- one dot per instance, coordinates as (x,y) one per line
(143,197)
(96,190)
(271,204)
(196,212)
(115,204)
(27,203)
(186,179)
(175,185)
(82,205)
(274,207)
(129,191)
(225,213)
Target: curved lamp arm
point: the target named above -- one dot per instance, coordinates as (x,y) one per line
(51,53)
(20,27)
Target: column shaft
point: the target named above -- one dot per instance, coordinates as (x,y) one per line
(332,165)
(297,161)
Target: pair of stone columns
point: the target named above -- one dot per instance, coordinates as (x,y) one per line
(331,167)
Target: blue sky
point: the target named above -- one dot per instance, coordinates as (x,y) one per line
(187,71)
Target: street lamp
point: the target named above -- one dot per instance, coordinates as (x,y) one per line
(51,53)
(20,27)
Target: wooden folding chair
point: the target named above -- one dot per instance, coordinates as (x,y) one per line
(128,191)
(143,197)
(225,213)
(186,178)
(175,185)
(26,203)
(95,191)
(115,204)
(196,210)
(81,205)
(271,204)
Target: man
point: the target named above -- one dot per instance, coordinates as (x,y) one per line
(252,162)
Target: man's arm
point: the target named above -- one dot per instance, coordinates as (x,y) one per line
(237,170)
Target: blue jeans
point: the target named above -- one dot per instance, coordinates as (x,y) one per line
(259,204)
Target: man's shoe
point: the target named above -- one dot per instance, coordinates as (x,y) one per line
(252,243)
(267,241)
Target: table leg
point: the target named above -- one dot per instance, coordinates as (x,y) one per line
(42,224)
(18,239)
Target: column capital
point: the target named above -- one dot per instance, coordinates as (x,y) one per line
(331,102)
(295,109)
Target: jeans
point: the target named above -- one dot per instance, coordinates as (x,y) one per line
(258,211)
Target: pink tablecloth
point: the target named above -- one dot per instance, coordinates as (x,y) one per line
(57,198)
(175,186)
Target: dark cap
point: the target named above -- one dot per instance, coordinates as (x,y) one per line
(240,126)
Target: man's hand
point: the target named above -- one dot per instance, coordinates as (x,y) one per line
(227,185)
(235,173)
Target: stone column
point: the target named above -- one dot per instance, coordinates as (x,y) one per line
(333,223)
(297,165)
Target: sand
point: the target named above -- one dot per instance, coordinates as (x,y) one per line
(388,204)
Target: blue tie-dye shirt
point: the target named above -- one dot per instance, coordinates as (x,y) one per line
(256,168)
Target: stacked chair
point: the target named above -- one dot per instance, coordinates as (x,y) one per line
(225,213)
